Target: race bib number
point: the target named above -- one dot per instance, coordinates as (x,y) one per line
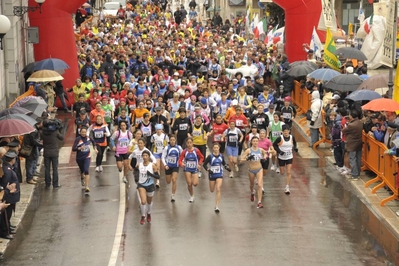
(286,115)
(123,142)
(196,133)
(218,137)
(288,153)
(233,138)
(239,123)
(191,164)
(143,173)
(215,169)
(108,114)
(98,134)
(132,107)
(139,120)
(159,144)
(183,127)
(146,132)
(266,104)
(171,160)
(85,148)
(276,134)
(260,121)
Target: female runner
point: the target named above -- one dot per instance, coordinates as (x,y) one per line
(234,136)
(120,141)
(145,186)
(254,155)
(216,161)
(100,133)
(170,158)
(83,157)
(267,145)
(191,159)
(159,141)
(284,145)
(218,128)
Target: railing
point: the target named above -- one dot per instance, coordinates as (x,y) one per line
(383,165)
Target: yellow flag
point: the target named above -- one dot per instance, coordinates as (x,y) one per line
(329,48)
(395,94)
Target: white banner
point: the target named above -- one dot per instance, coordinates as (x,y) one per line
(327,16)
(387,10)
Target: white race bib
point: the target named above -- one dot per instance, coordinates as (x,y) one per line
(191,164)
(218,137)
(215,169)
(98,134)
(239,123)
(171,160)
(276,134)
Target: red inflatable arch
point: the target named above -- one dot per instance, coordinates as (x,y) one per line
(56,36)
(300,17)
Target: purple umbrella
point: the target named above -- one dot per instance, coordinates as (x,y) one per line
(14,127)
(15,110)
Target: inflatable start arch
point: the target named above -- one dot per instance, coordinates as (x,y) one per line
(300,17)
(56,36)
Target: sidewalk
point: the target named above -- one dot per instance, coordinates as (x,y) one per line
(381,222)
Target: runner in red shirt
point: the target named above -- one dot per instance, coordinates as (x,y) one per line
(218,129)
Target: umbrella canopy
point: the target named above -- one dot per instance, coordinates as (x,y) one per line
(22,117)
(382,104)
(14,127)
(363,95)
(86,5)
(44,76)
(344,82)
(51,64)
(324,74)
(375,82)
(15,110)
(301,68)
(29,67)
(351,53)
(33,103)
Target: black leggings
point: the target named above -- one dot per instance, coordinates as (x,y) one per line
(240,145)
(202,149)
(100,155)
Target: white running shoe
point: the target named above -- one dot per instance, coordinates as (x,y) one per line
(287,190)
(340,169)
(236,168)
(277,170)
(101,168)
(172,198)
(273,168)
(217,210)
(97,169)
(191,200)
(124,179)
(199,174)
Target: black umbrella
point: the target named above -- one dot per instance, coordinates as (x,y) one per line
(29,67)
(344,82)
(301,68)
(15,110)
(351,53)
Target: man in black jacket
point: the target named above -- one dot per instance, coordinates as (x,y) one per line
(60,93)
(32,140)
(81,104)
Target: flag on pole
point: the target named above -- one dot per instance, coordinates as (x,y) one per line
(315,44)
(248,17)
(254,23)
(360,17)
(260,28)
(329,48)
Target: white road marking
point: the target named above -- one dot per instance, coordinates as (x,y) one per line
(119,226)
(64,155)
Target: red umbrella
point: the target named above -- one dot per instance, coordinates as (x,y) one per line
(382,104)
(14,127)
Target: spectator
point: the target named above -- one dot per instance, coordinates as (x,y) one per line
(317,119)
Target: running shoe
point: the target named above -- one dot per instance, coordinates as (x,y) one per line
(142,221)
(148,218)
(252,197)
(157,184)
(277,170)
(191,200)
(260,206)
(273,168)
(82,181)
(263,192)
(172,198)
(217,210)
(87,190)
(231,175)
(199,174)
(97,169)
(236,168)
(101,168)
(287,190)
(124,179)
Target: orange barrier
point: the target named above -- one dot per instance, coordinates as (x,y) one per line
(29,92)
(323,132)
(383,165)
(305,98)
(296,96)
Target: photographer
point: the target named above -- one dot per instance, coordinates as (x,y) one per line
(51,136)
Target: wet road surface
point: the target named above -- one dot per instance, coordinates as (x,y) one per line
(318,224)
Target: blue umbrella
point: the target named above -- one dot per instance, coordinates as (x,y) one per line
(51,64)
(324,74)
(363,95)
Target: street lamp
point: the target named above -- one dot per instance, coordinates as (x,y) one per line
(5,26)
(21,10)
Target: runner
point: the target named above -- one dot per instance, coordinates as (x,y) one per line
(253,133)
(145,186)
(100,133)
(254,155)
(83,156)
(200,136)
(233,136)
(288,112)
(119,142)
(267,145)
(275,129)
(215,170)
(159,141)
(182,127)
(170,158)
(218,128)
(191,159)
(284,145)
(241,122)
(135,157)
(147,128)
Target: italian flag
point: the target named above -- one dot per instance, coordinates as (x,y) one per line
(260,28)
(368,24)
